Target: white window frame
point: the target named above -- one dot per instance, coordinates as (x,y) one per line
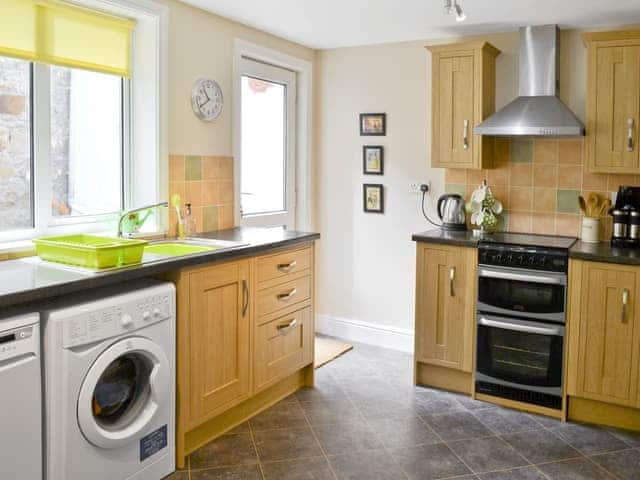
(145,143)
(304,123)
(282,76)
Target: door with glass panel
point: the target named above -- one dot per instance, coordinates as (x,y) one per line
(267,145)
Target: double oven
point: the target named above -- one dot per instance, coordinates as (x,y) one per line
(522,297)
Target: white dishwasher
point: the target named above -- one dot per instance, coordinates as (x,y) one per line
(20,402)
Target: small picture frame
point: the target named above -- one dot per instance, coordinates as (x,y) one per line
(373,197)
(373,124)
(373,160)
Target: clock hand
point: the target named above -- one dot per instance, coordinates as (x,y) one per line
(204,90)
(200,106)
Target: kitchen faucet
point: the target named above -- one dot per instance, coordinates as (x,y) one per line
(136,210)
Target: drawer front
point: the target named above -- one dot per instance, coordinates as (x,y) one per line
(283,264)
(283,346)
(282,296)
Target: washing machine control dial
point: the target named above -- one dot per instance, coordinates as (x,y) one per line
(146,315)
(126,321)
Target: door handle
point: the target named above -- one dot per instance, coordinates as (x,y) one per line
(287,267)
(452,276)
(287,327)
(519,327)
(283,297)
(625,302)
(630,124)
(465,135)
(245,297)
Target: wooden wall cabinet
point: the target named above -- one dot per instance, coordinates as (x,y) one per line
(613,101)
(463,95)
(245,340)
(445,315)
(604,333)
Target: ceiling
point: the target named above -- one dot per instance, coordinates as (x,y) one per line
(325,24)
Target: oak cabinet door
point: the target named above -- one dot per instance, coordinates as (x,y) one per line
(613,107)
(445,299)
(219,337)
(609,334)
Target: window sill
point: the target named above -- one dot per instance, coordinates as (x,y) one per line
(22,248)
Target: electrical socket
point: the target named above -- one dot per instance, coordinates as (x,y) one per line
(418,187)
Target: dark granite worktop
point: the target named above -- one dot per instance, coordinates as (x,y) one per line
(595,252)
(27,279)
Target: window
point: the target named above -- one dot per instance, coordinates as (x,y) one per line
(73,170)
(267,145)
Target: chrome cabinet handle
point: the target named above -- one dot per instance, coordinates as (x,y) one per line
(630,123)
(286,296)
(245,297)
(287,267)
(287,327)
(452,276)
(625,302)
(465,135)
(525,327)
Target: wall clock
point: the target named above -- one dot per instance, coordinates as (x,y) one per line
(206,99)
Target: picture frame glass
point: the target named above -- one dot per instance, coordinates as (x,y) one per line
(372,124)
(373,159)
(373,198)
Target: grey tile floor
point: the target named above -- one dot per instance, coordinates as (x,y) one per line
(365,420)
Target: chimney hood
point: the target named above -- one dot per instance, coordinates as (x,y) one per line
(537,111)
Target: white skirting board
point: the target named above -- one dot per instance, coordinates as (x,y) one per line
(364,332)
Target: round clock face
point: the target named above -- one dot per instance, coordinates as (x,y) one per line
(206,99)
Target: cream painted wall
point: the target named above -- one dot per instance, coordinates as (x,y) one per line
(366,264)
(201,44)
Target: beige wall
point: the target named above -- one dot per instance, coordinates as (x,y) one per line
(201,44)
(367,262)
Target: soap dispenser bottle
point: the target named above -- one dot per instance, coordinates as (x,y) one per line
(189,221)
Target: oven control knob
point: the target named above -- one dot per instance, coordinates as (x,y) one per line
(510,258)
(520,259)
(126,321)
(543,261)
(498,258)
(532,260)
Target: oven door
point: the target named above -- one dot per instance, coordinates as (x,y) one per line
(523,293)
(520,353)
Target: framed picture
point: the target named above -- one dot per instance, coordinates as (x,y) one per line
(373,197)
(373,160)
(373,124)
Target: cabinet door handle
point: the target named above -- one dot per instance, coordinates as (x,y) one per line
(465,135)
(287,327)
(283,297)
(625,302)
(245,297)
(630,123)
(287,267)
(452,276)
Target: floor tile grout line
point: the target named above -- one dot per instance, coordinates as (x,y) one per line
(315,436)
(255,449)
(601,468)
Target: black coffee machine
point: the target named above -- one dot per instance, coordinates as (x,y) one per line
(626,218)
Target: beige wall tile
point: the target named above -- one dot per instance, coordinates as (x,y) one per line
(225,216)
(545,151)
(225,168)
(501,192)
(176,168)
(521,198)
(209,168)
(570,176)
(210,193)
(455,175)
(544,200)
(520,222)
(616,180)
(593,181)
(177,188)
(567,224)
(502,153)
(570,152)
(498,176)
(226,191)
(521,174)
(545,175)
(543,223)
(476,177)
(193,193)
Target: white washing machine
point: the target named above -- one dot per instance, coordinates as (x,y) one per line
(109,384)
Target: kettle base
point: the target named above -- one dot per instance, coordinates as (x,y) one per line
(454,227)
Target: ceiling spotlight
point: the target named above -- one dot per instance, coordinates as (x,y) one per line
(460,15)
(451,7)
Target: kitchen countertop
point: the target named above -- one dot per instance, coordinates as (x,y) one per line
(25,280)
(595,252)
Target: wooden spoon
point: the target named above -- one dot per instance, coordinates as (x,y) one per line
(604,208)
(583,204)
(592,204)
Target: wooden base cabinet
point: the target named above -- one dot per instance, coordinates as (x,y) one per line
(242,343)
(445,315)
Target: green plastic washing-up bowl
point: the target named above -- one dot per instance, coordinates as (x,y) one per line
(176,249)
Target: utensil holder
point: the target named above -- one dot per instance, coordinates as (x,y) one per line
(590,230)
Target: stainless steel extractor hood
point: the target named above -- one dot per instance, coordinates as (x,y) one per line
(537,111)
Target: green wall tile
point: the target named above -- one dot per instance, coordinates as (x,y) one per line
(567,201)
(455,188)
(193,168)
(209,218)
(522,151)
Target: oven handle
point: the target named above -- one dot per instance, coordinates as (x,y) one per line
(522,277)
(555,331)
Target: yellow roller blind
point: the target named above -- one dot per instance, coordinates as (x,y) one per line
(49,31)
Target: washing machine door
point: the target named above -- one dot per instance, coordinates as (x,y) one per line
(122,392)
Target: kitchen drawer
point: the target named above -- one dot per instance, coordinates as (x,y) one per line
(284,295)
(282,346)
(283,264)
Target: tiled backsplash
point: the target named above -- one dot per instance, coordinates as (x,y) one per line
(207,183)
(539,181)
